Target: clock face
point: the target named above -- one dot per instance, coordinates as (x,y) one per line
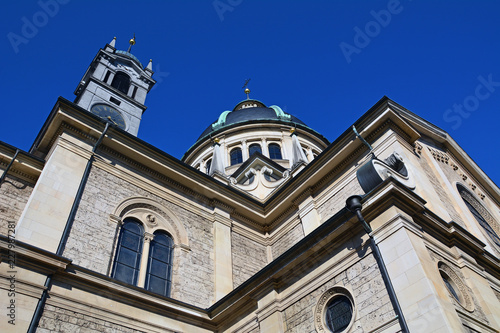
(109,113)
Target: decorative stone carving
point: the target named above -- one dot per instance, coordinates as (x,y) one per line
(464,298)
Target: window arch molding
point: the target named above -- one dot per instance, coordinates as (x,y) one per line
(154,217)
(488,225)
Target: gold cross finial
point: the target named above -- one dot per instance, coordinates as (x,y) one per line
(131,42)
(247,91)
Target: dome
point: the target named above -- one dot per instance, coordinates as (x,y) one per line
(252,123)
(248,111)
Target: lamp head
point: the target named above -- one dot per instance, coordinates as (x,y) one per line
(353,203)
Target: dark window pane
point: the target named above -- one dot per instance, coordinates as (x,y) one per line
(121,81)
(157,285)
(133,227)
(159,268)
(159,272)
(131,241)
(339,314)
(161,253)
(236,156)
(254,149)
(124,273)
(128,252)
(274,151)
(450,287)
(128,257)
(208,165)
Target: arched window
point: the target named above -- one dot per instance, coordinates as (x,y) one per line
(128,252)
(253,149)
(159,273)
(208,165)
(275,151)
(121,81)
(236,156)
(485,220)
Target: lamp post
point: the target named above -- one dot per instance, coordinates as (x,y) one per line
(353,204)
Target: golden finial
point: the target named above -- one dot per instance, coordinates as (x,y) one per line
(247,91)
(131,42)
(216,140)
(292,130)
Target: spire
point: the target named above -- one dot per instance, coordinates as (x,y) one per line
(149,68)
(298,155)
(217,165)
(131,42)
(113,42)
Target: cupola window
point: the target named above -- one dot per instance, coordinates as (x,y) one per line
(208,165)
(236,156)
(275,151)
(254,148)
(121,81)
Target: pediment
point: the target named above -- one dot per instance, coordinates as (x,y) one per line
(259,176)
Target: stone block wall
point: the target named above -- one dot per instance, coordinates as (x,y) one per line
(93,237)
(60,320)
(14,193)
(336,201)
(372,304)
(248,256)
(287,241)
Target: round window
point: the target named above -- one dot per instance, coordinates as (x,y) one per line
(338,314)
(334,311)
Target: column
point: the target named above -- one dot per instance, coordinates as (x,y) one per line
(46,213)
(146,244)
(222,258)
(265,151)
(244,150)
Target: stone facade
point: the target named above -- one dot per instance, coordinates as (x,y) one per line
(372,304)
(288,240)
(441,191)
(248,258)
(93,236)
(14,193)
(336,198)
(246,263)
(59,320)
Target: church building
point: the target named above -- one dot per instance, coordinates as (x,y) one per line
(263,226)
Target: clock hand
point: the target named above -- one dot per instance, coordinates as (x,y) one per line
(109,118)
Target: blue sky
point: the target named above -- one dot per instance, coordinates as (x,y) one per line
(325,62)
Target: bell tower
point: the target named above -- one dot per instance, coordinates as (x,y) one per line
(115,86)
